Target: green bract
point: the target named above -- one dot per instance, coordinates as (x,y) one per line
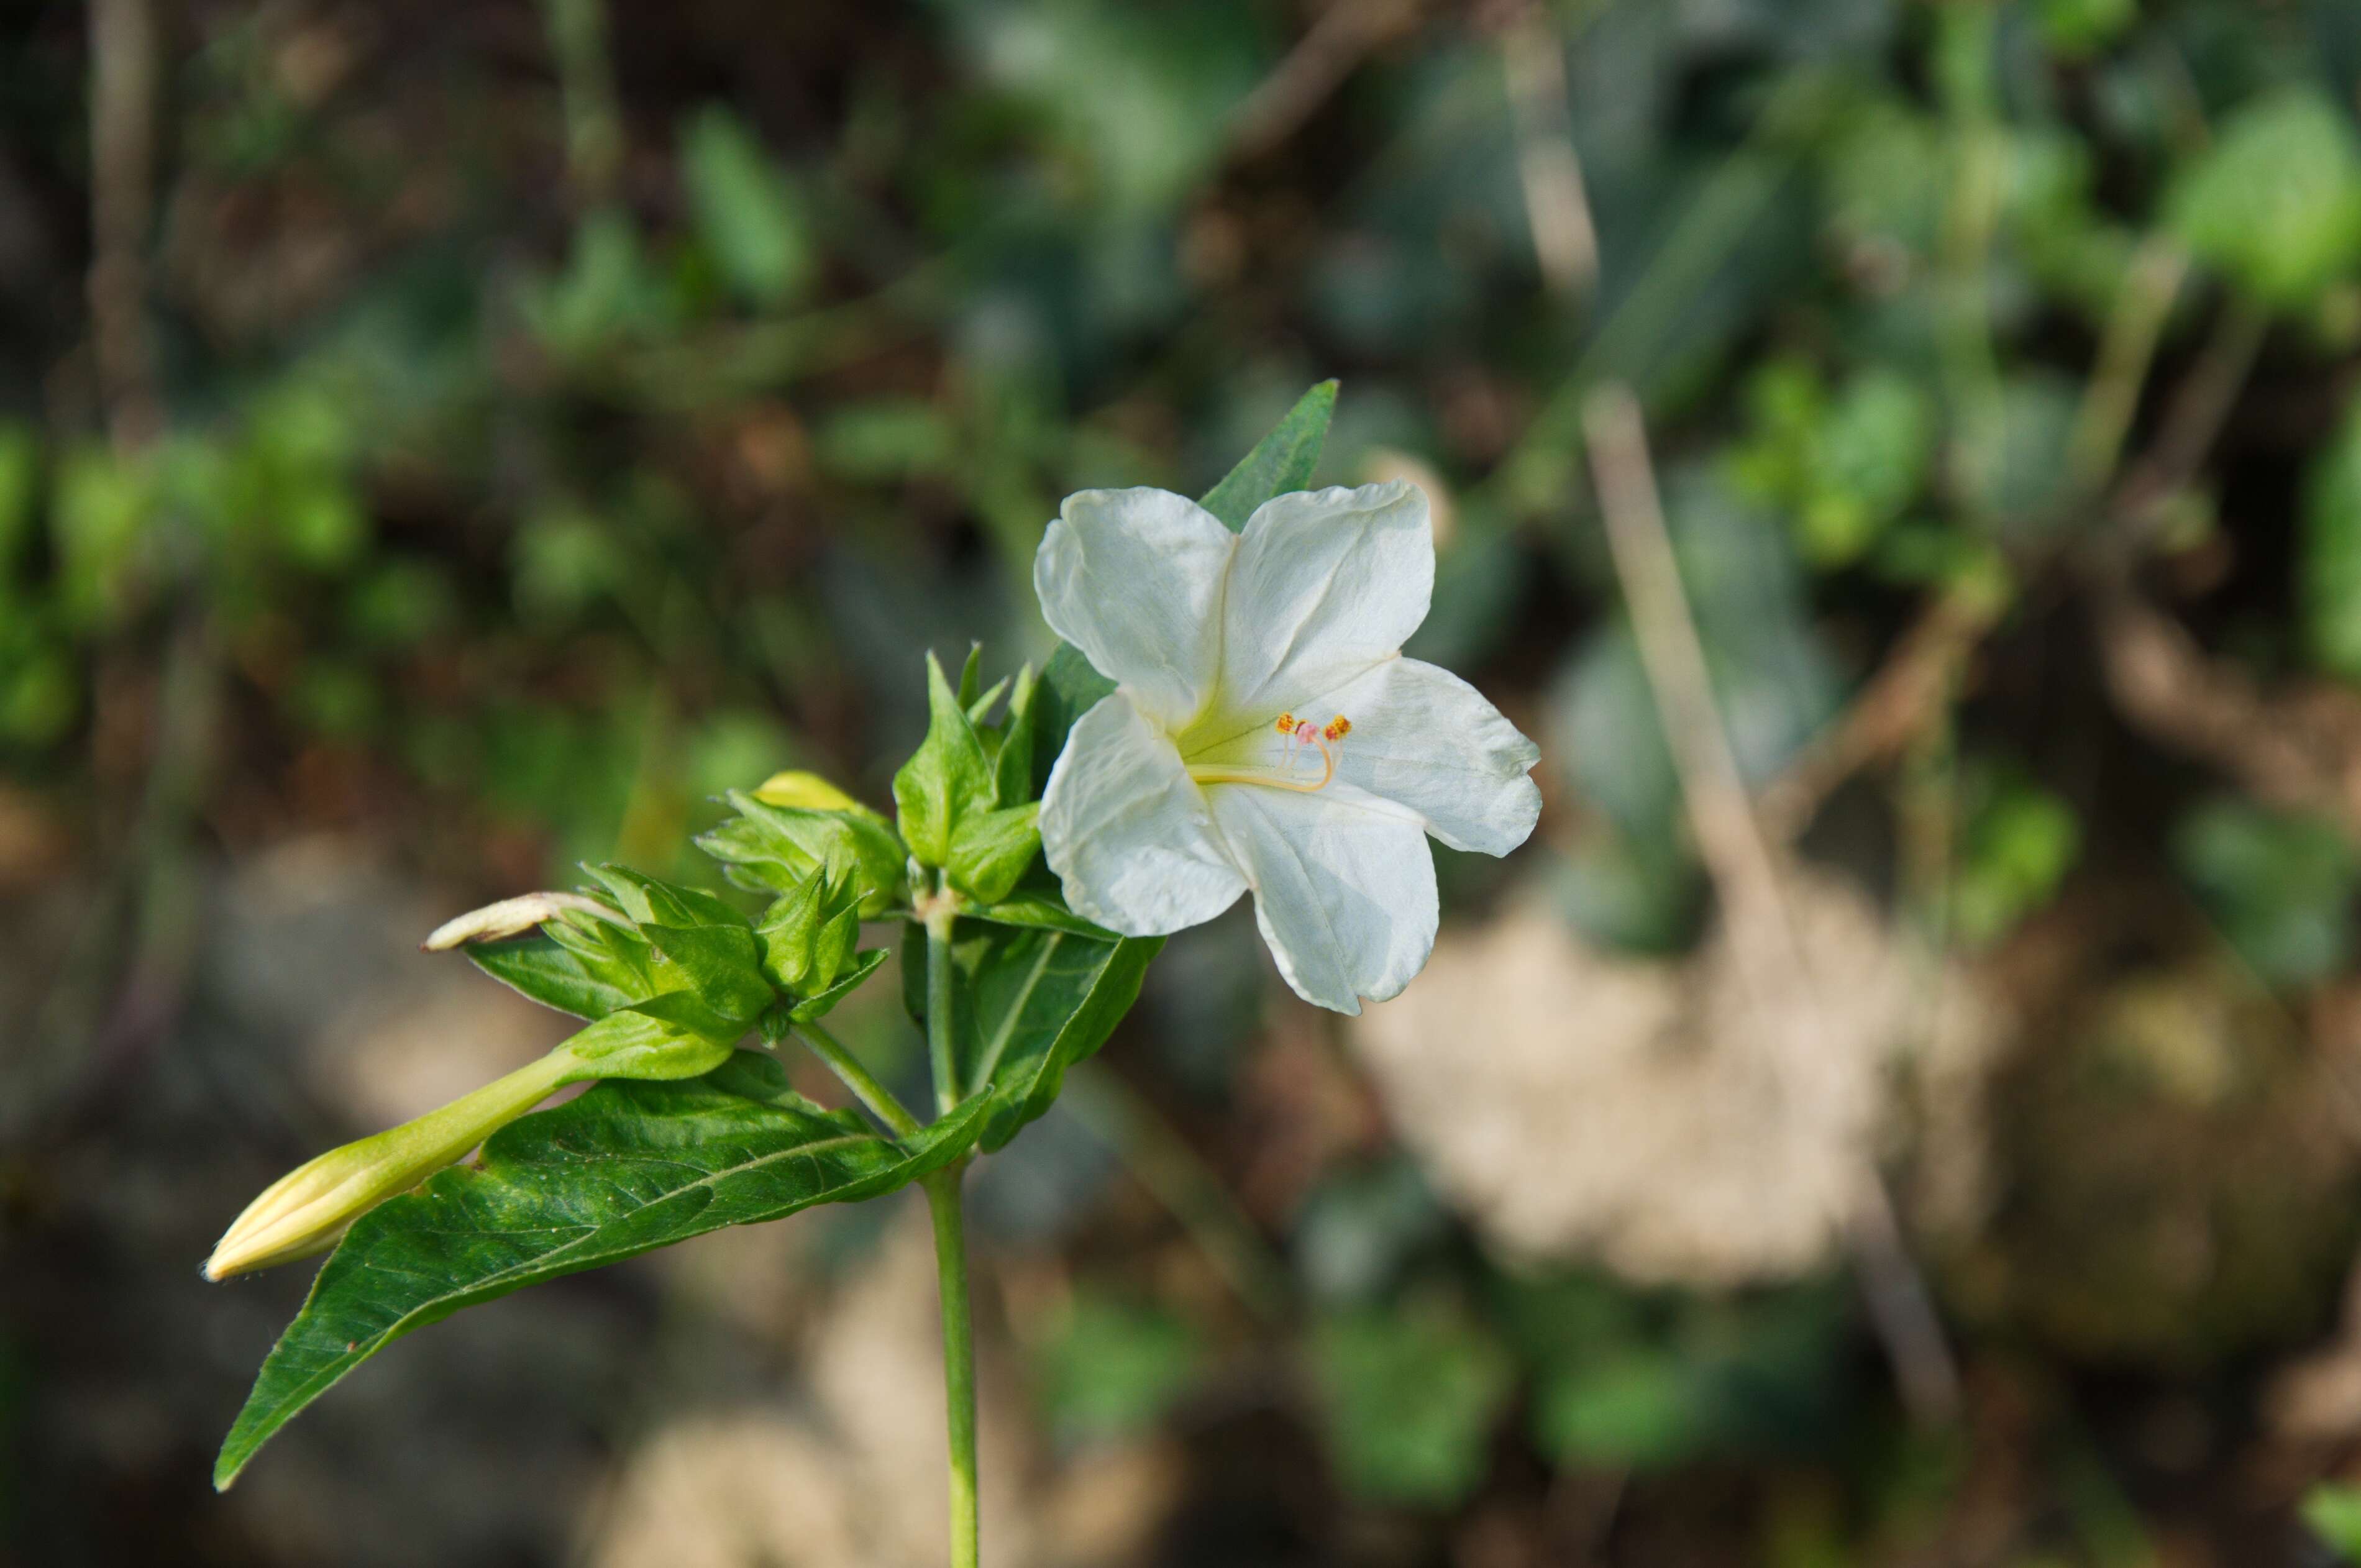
(783,833)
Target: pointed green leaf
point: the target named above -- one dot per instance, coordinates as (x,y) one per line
(979,707)
(609,952)
(541,970)
(624,1170)
(945,779)
(1012,758)
(779,847)
(1043,909)
(788,930)
(817,1004)
(971,679)
(1283,461)
(653,902)
(832,947)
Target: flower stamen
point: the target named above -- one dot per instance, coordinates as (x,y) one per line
(1299,733)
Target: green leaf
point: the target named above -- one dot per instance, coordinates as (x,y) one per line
(816,1006)
(723,964)
(745,214)
(991,849)
(1026,1006)
(540,969)
(971,682)
(1070,687)
(624,1169)
(789,930)
(2333,1511)
(652,902)
(668,1036)
(945,779)
(1043,909)
(609,952)
(2275,202)
(1283,461)
(1012,753)
(2278,884)
(780,846)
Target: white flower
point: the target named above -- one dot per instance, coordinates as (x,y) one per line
(1265,734)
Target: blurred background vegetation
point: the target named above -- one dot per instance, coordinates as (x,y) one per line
(441,443)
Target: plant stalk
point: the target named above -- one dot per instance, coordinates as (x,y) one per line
(940,1041)
(951,1251)
(959,1358)
(880,1100)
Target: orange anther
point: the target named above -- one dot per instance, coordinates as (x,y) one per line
(1338,728)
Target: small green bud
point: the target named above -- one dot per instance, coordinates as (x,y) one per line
(832,949)
(808,935)
(788,931)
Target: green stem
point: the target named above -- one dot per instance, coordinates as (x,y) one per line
(959,1358)
(939,1038)
(950,1245)
(857,1078)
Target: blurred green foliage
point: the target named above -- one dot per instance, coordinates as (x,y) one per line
(2278,886)
(1408,1397)
(1113,1367)
(2333,1512)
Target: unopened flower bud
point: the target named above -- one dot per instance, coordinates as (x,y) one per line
(807,792)
(509,917)
(308,1210)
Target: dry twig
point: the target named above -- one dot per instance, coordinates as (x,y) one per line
(1747,877)
(122,192)
(1557,208)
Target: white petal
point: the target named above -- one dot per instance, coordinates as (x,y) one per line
(1344,889)
(1427,739)
(1422,738)
(1128,832)
(1134,580)
(1326,583)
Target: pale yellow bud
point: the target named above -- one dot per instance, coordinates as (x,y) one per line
(509,917)
(804,792)
(307,1210)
